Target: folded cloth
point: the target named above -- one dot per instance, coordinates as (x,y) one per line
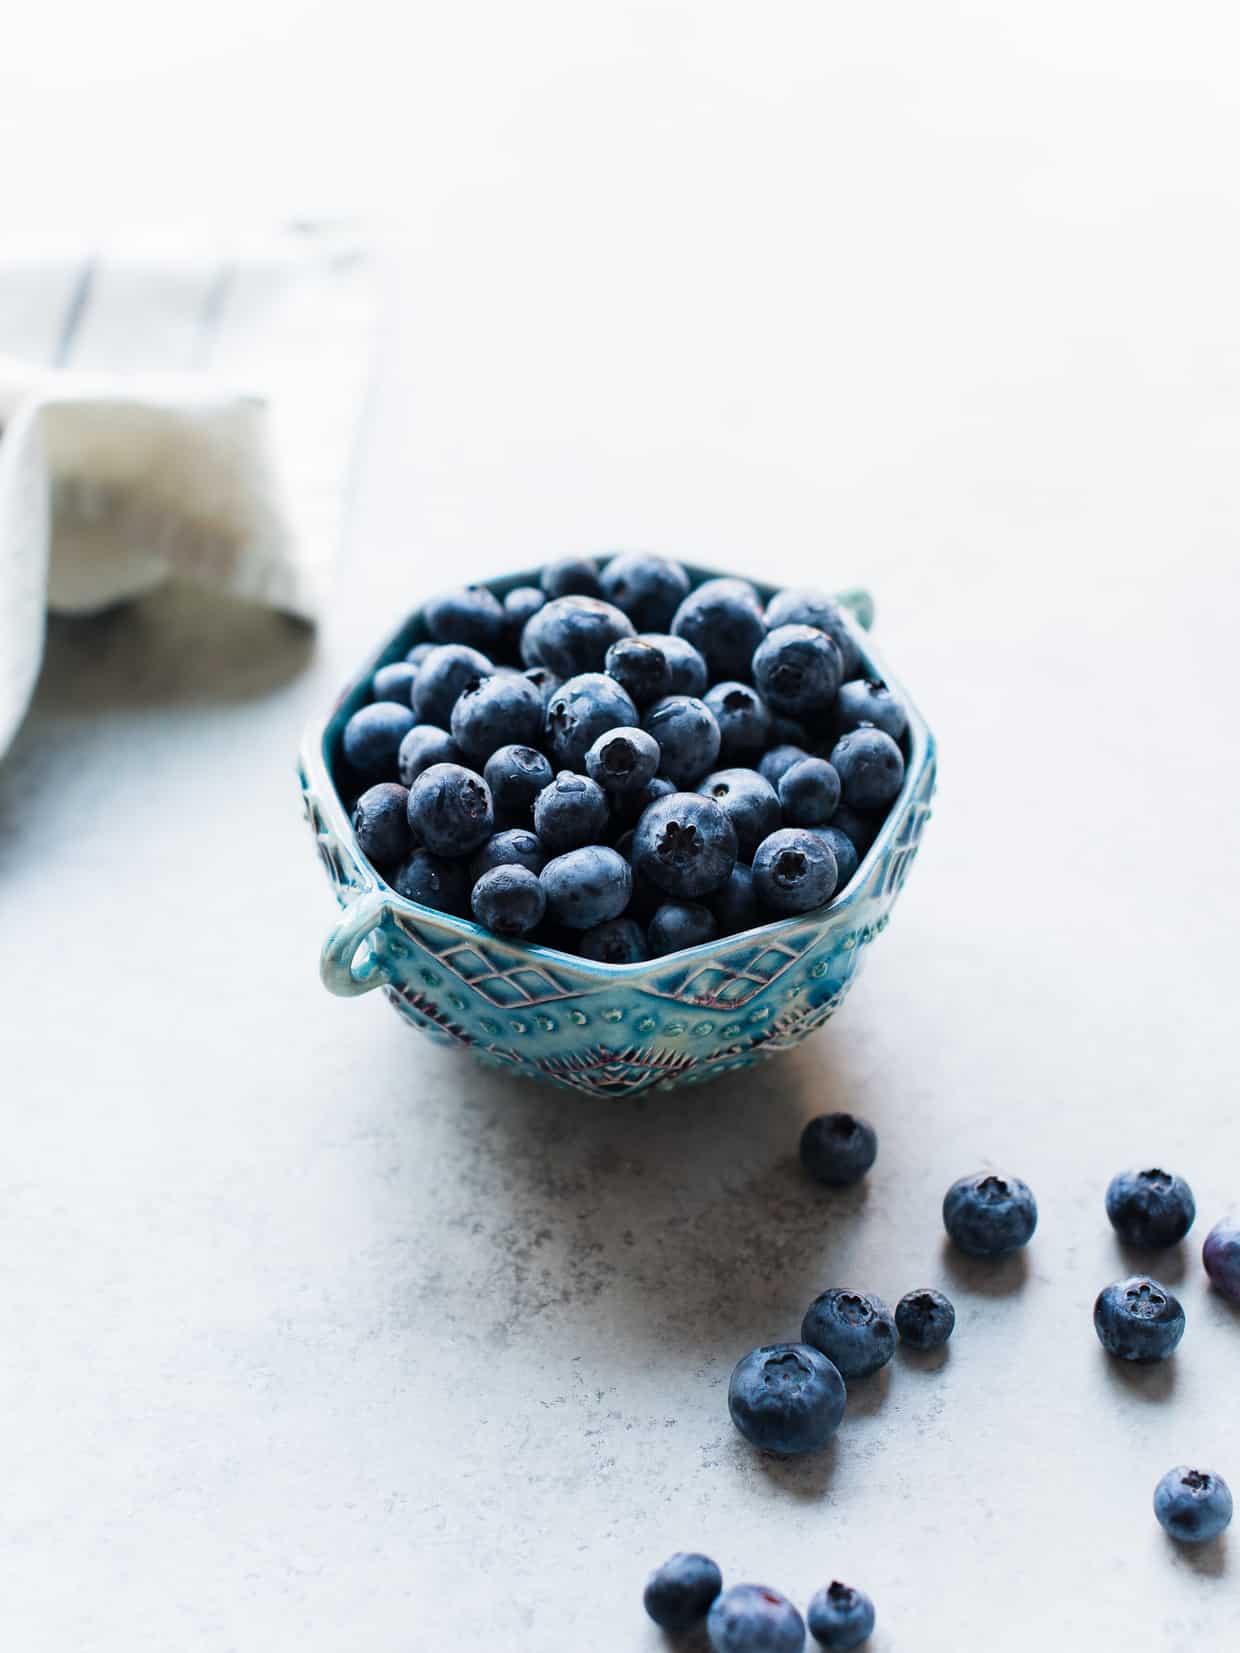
(174,408)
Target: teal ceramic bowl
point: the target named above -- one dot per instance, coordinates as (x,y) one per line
(604,1029)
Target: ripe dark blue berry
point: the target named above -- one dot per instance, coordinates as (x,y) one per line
(774,764)
(520,604)
(1138,1319)
(749,803)
(445,673)
(793,871)
(546,682)
(587,886)
(685,845)
(680,924)
(450,809)
(679,1593)
(641,669)
(1221,1256)
(516,775)
(434,882)
(987,1214)
(508,900)
(649,589)
(860,829)
(629,807)
(744,720)
(687,734)
(723,620)
(424,745)
(381,825)
(572,635)
(571,577)
(371,739)
(925,1319)
(514,847)
(798,668)
(1193,1505)
(1150,1208)
(618,941)
(394,682)
(854,1329)
(809,793)
(870,766)
(840,1617)
(580,710)
(502,710)
(569,813)
(749,1618)
(623,760)
(472,615)
(786,1398)
(686,665)
(844,851)
(735,904)
(812,608)
(869,700)
(837,1149)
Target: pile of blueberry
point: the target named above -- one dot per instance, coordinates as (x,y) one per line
(615,764)
(687,1590)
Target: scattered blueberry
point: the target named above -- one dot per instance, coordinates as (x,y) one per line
(840,1617)
(503,710)
(870,766)
(838,1149)
(580,710)
(1137,1319)
(623,760)
(867,700)
(571,577)
(450,809)
(688,668)
(925,1319)
(854,1329)
(371,739)
(631,806)
(434,882)
(1221,1256)
(844,851)
(445,673)
(798,670)
(680,924)
(773,765)
(687,734)
(744,720)
(394,682)
(723,620)
(473,615)
(787,731)
(1193,1505)
(749,802)
(749,1618)
(520,604)
(587,886)
(516,775)
(735,904)
(647,588)
(422,746)
(508,900)
(1150,1208)
(514,847)
(987,1214)
(570,813)
(572,635)
(641,669)
(679,1593)
(786,1398)
(381,825)
(812,608)
(618,941)
(685,845)
(809,793)
(546,682)
(793,871)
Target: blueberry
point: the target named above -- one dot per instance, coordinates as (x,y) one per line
(987,1214)
(776,762)
(870,766)
(618,941)
(1137,1319)
(687,734)
(685,845)
(508,900)
(749,803)
(840,1617)
(641,669)
(434,882)
(860,829)
(786,1398)
(372,737)
(679,1593)
(812,608)
(418,653)
(786,731)
(572,635)
(854,1329)
(450,809)
(571,577)
(422,746)
(381,825)
(443,676)
(793,871)
(680,924)
(743,717)
(514,847)
(925,1319)
(749,1618)
(587,886)
(723,621)
(623,760)
(1150,1208)
(502,710)
(869,700)
(631,806)
(688,669)
(520,603)
(580,710)
(838,1149)
(473,616)
(516,775)
(394,682)
(809,793)
(649,589)
(798,670)
(544,681)
(844,851)
(1221,1256)
(735,904)
(1192,1505)
(572,811)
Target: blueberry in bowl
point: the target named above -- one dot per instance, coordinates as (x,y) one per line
(597,750)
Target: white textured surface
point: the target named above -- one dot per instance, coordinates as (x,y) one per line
(317,1338)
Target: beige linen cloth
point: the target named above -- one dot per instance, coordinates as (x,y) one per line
(173,406)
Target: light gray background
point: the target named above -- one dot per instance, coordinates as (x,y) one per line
(312,1335)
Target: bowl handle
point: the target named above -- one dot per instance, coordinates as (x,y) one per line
(339,964)
(859,604)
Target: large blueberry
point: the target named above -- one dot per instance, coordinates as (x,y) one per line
(371,739)
(587,886)
(572,635)
(925,1319)
(749,1618)
(503,710)
(381,825)
(424,745)
(1221,1256)
(854,1329)
(580,710)
(794,871)
(445,673)
(641,669)
(685,845)
(394,682)
(1138,1319)
(514,847)
(798,668)
(1150,1208)
(723,620)
(812,608)
(679,1593)
(869,700)
(680,924)
(870,766)
(618,941)
(786,1398)
(735,904)
(623,760)
(450,809)
(844,851)
(472,615)
(434,882)
(778,760)
(686,665)
(516,775)
(987,1214)
(508,900)
(749,803)
(809,793)
(837,1149)
(744,720)
(572,811)
(687,734)
(648,588)
(571,577)
(1192,1505)
(840,1617)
